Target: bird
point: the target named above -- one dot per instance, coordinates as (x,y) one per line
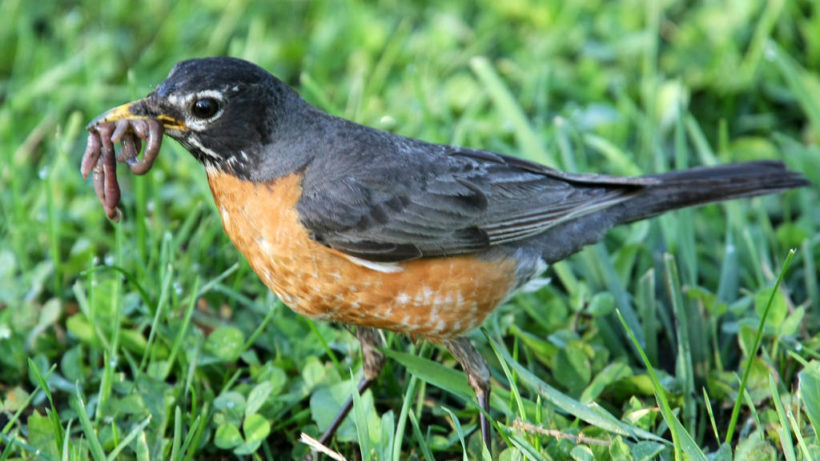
(347,223)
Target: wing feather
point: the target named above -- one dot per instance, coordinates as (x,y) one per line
(427,200)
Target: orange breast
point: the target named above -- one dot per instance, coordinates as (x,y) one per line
(433,297)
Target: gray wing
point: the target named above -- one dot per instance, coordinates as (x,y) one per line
(426,200)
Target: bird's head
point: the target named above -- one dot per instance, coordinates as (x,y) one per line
(222,110)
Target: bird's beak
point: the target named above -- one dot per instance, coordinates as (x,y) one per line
(138,110)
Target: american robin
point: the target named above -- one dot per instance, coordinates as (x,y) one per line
(351,224)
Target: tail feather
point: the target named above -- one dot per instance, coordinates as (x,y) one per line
(668,191)
(698,186)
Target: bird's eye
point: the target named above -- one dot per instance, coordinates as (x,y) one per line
(205,108)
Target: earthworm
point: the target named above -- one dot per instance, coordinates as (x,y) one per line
(101,158)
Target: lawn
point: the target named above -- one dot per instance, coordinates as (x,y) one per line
(689,336)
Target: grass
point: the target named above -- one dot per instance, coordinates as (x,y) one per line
(152,339)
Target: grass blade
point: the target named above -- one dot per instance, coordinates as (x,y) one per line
(682,441)
(599,418)
(783,430)
(531,144)
(683,364)
(423,445)
(810,391)
(88,428)
(752,353)
(459,431)
(137,430)
(360,420)
(803,84)
(647,308)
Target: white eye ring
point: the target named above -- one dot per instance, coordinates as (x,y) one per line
(215,102)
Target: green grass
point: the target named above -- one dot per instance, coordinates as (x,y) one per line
(153,339)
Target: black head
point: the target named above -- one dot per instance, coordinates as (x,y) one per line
(222,110)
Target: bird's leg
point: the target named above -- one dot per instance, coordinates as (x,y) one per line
(478,375)
(373,362)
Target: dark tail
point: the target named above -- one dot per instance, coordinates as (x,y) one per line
(698,186)
(673,190)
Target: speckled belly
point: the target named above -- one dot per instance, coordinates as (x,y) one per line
(434,297)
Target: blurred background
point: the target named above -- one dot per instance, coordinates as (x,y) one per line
(155,340)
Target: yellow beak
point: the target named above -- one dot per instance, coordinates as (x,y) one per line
(136,110)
